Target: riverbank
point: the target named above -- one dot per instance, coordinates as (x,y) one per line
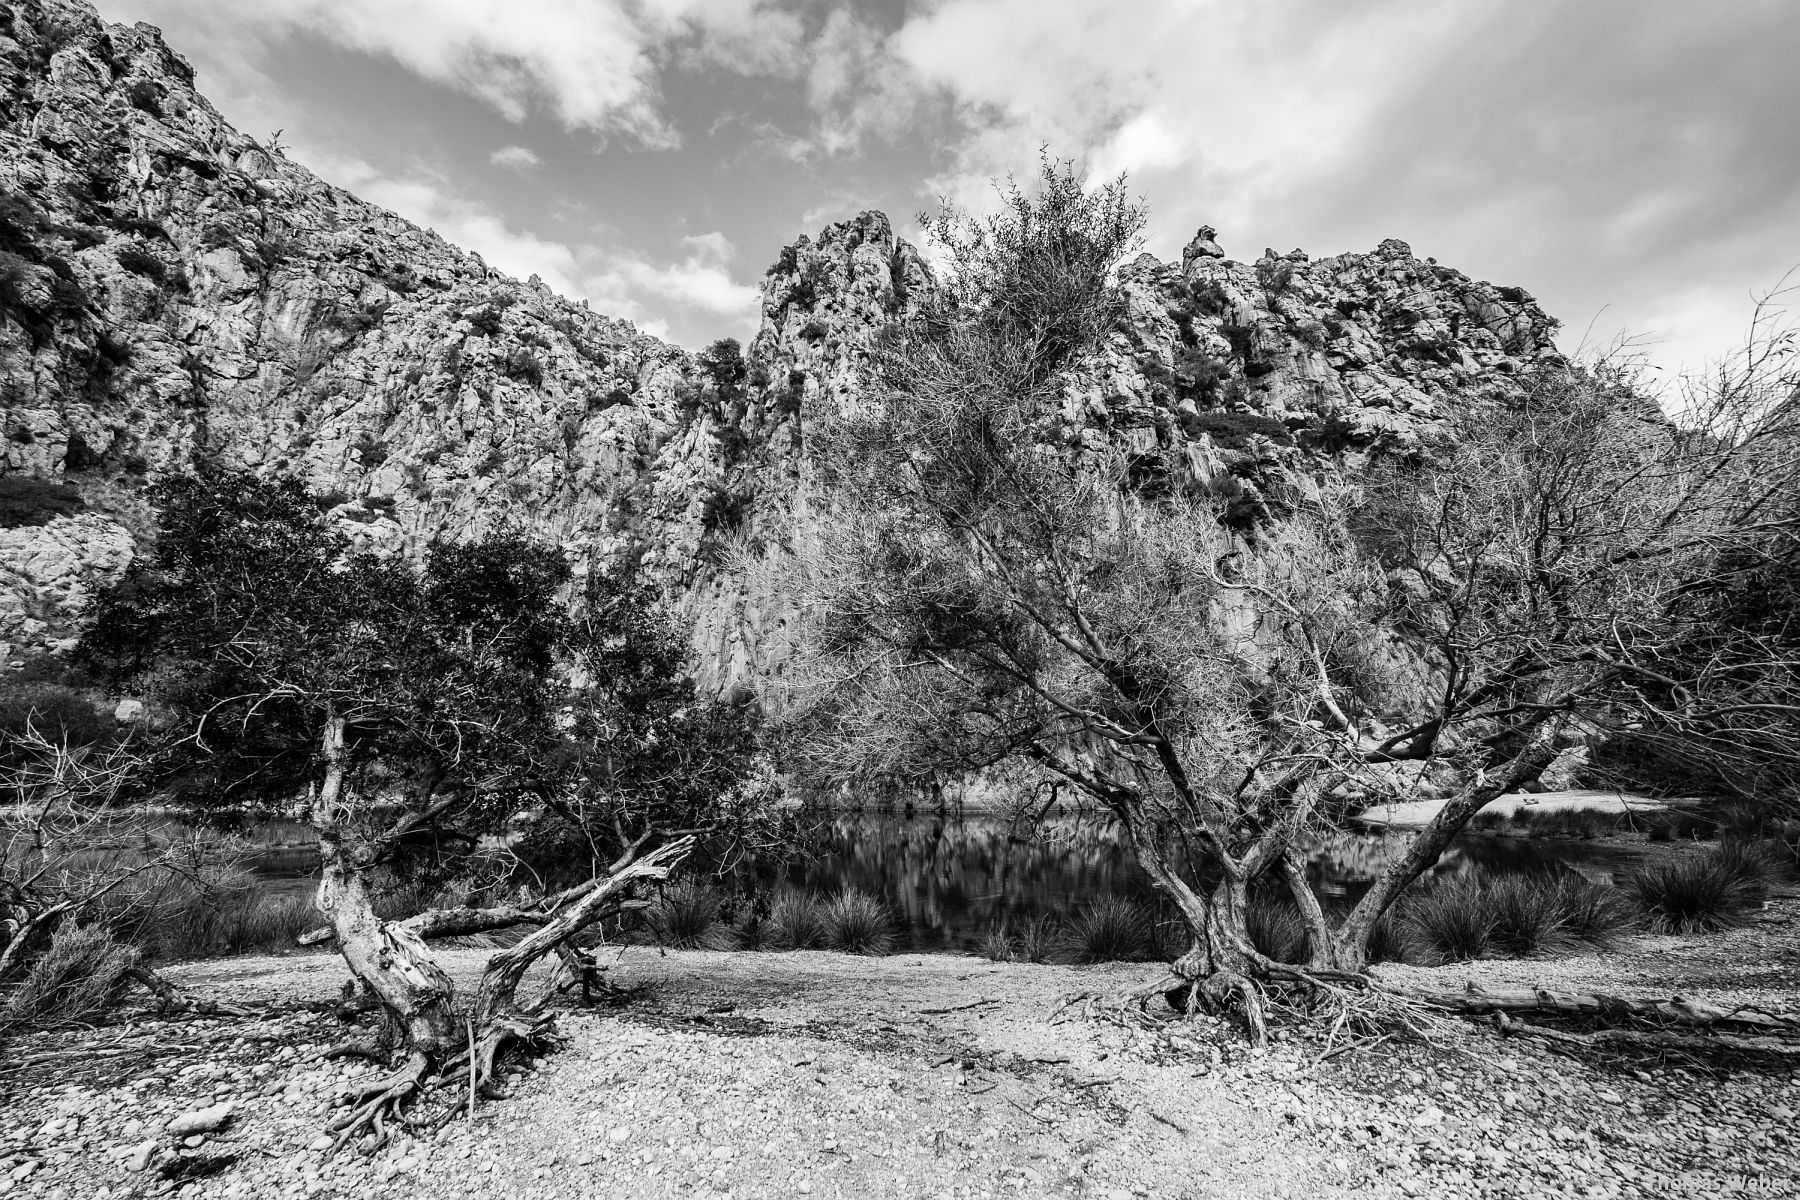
(1416,814)
(818,1074)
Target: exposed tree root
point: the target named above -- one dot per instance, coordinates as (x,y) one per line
(377,1105)
(1361,1010)
(1220,993)
(472,1075)
(374,1050)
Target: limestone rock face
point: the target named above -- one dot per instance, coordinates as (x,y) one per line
(175,295)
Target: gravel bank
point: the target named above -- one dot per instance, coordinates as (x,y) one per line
(835,1076)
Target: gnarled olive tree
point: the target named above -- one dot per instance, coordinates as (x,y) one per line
(459,704)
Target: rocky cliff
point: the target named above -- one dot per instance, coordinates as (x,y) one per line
(175,294)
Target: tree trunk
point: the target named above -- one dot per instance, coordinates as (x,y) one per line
(1350,947)
(1321,948)
(1220,969)
(500,980)
(390,960)
(499,1018)
(1216,974)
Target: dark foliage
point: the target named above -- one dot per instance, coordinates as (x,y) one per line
(145,96)
(1698,893)
(139,261)
(723,363)
(524,366)
(255,620)
(59,712)
(468,690)
(1209,297)
(31,500)
(1235,430)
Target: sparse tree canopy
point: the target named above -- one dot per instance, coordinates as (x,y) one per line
(983,593)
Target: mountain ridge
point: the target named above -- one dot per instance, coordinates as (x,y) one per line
(174,294)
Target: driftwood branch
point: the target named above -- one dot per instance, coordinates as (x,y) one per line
(1652,1039)
(1675,1011)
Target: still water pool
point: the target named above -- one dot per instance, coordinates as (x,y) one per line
(948,879)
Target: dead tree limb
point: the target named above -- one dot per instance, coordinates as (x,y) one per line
(1652,1039)
(1676,1010)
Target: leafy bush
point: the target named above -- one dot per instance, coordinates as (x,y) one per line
(1276,275)
(1759,862)
(219,908)
(1039,937)
(522,365)
(1198,375)
(723,511)
(1234,430)
(1747,819)
(857,923)
(1502,915)
(1594,913)
(77,980)
(371,450)
(486,320)
(1209,297)
(754,931)
(723,363)
(1389,940)
(1036,941)
(145,95)
(1698,893)
(235,922)
(139,261)
(1583,823)
(1677,824)
(1112,929)
(58,712)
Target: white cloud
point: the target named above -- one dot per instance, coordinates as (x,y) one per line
(856,87)
(701,280)
(428,200)
(1143,143)
(617,280)
(589,64)
(521,159)
(1616,159)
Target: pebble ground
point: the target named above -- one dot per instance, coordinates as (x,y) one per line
(813,1074)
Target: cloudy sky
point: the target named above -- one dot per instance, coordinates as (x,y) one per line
(1634,163)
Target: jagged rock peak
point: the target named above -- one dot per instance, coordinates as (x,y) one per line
(174,294)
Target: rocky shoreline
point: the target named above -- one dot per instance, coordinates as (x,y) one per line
(809,1073)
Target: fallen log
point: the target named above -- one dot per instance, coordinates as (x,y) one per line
(1651,1039)
(1675,1010)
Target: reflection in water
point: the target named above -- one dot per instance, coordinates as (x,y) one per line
(947,879)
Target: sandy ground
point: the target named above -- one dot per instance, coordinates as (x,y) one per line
(1414,814)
